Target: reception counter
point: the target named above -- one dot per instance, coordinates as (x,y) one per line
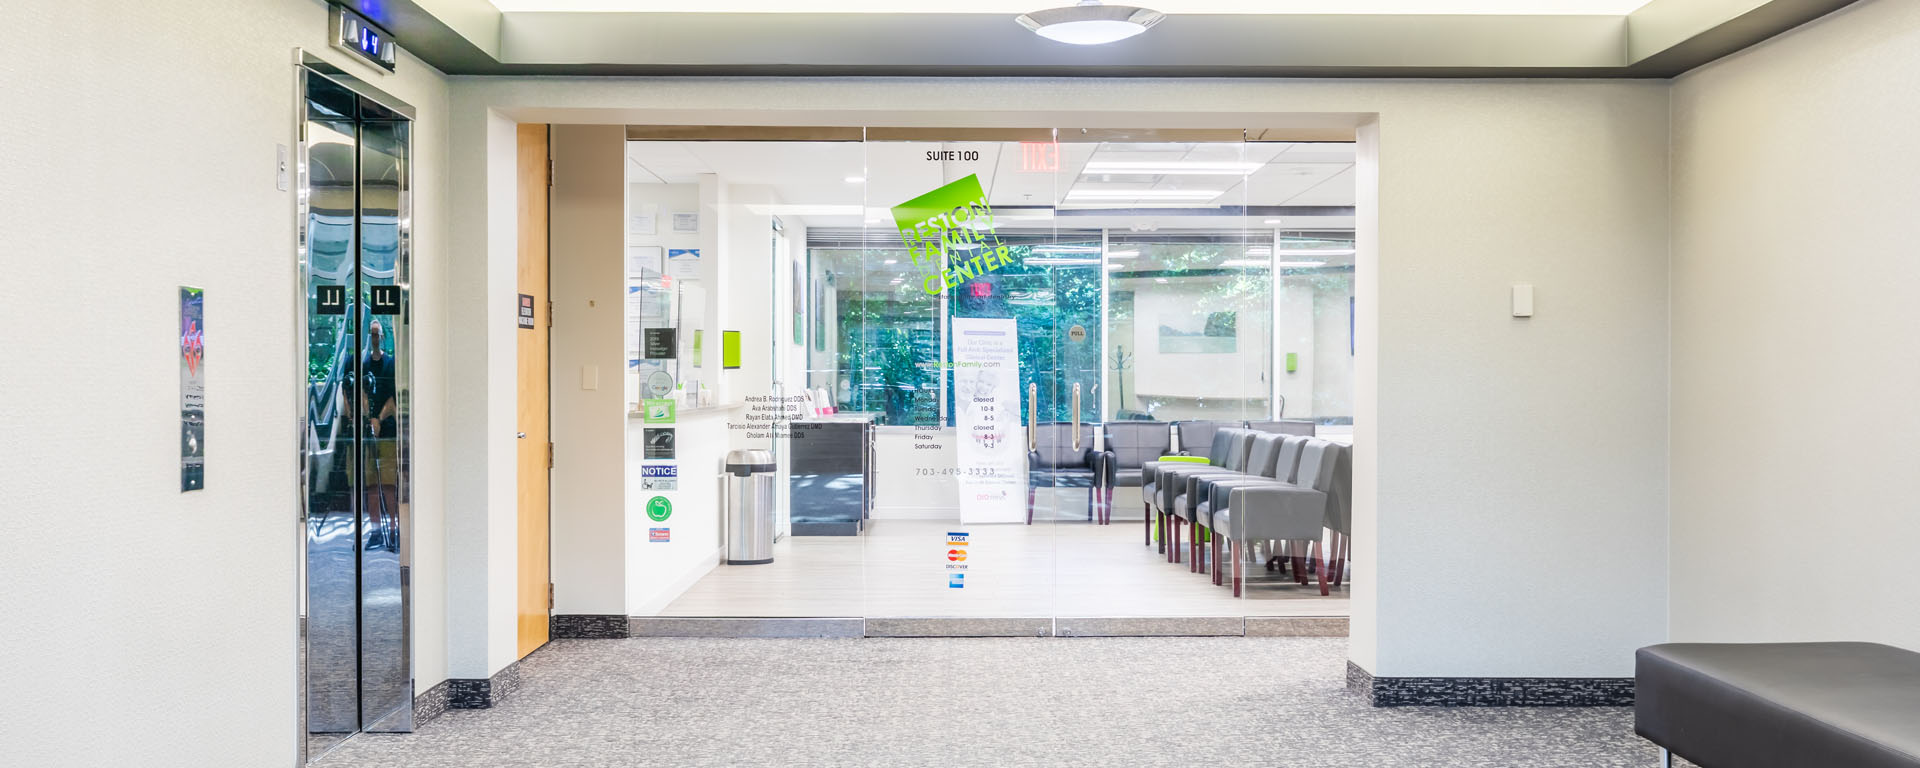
(831,490)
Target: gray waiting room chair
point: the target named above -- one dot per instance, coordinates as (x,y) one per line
(1263,454)
(1055,462)
(1284,427)
(1205,494)
(1128,446)
(1231,445)
(1319,499)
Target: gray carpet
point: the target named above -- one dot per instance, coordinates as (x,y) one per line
(1012,701)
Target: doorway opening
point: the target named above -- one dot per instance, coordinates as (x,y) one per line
(977,346)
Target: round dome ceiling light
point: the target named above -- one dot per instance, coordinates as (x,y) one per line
(1090,23)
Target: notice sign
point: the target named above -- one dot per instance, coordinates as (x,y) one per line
(660,535)
(986,399)
(659,477)
(526,311)
(659,443)
(193,389)
(660,344)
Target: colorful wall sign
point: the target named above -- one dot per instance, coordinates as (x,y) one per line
(193,389)
(659,509)
(949,233)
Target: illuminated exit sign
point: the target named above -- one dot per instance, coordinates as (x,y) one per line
(1039,156)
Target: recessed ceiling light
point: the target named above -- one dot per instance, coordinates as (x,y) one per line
(1173,167)
(1274,222)
(855,179)
(1143,194)
(1090,23)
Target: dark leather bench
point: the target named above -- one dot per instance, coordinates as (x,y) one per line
(1784,705)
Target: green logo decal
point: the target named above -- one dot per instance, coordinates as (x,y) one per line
(658,411)
(659,509)
(949,232)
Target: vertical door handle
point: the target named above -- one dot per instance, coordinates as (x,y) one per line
(1033,417)
(1076,415)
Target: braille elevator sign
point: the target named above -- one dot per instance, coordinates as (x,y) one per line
(384,299)
(330,300)
(526,311)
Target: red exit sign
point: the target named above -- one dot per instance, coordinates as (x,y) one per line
(1039,157)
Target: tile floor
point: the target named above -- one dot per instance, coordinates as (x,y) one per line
(978,701)
(1048,569)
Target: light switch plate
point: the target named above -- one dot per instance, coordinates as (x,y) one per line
(589,377)
(1522,300)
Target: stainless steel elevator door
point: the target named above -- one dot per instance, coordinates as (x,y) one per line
(356,430)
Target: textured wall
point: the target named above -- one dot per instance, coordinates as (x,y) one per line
(139,153)
(1794,270)
(1518,517)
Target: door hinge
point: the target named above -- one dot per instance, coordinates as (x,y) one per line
(549,172)
(549,313)
(549,455)
(549,595)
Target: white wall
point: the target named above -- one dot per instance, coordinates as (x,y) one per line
(1794,266)
(587,278)
(1516,482)
(145,625)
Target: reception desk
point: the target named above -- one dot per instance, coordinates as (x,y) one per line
(832,478)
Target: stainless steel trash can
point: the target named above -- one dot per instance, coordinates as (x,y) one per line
(750,503)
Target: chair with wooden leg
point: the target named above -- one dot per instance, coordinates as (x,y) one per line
(1263,454)
(1127,448)
(1061,457)
(1232,445)
(1192,437)
(1294,513)
(1276,459)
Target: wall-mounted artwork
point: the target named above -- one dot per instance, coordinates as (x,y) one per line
(1215,333)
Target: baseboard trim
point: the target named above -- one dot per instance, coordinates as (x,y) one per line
(588,626)
(487,693)
(959,627)
(431,703)
(1489,691)
(672,626)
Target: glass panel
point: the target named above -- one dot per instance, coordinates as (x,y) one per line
(966,329)
(332,656)
(383,380)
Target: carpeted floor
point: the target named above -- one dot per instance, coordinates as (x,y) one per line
(945,702)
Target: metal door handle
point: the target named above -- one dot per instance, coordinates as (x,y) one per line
(520,435)
(1033,417)
(1076,415)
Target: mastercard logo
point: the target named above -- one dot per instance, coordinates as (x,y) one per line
(956,555)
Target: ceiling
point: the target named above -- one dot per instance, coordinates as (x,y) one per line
(1198,38)
(1443,7)
(1128,187)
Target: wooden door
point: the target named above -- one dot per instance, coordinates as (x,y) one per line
(536,453)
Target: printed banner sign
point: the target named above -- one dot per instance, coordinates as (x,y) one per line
(193,389)
(986,401)
(660,535)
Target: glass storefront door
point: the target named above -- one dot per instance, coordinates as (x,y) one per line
(980,319)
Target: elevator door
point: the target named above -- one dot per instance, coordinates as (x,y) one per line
(355,435)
